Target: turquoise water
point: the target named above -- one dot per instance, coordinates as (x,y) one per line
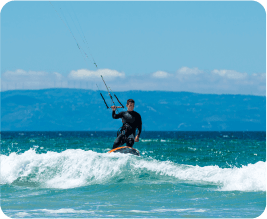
(179,174)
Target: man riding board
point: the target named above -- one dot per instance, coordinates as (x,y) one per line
(131,121)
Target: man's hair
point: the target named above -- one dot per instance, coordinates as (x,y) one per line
(130,101)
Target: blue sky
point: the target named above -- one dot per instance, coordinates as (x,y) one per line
(204,46)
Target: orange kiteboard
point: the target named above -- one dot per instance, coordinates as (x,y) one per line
(125,150)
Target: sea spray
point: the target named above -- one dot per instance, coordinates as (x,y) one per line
(180,174)
(76,168)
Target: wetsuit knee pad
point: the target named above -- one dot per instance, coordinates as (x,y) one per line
(130,142)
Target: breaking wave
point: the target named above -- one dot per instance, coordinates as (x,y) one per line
(75,168)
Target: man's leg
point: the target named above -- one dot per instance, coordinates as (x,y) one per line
(119,141)
(130,140)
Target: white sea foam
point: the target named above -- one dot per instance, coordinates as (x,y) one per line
(22,214)
(148,140)
(154,140)
(180,210)
(53,211)
(68,169)
(75,168)
(247,178)
(65,210)
(139,211)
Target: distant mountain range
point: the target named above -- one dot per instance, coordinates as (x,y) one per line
(81,110)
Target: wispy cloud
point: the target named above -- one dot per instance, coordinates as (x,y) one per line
(230,74)
(31,76)
(84,74)
(184,79)
(161,74)
(189,71)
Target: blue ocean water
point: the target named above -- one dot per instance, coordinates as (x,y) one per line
(179,174)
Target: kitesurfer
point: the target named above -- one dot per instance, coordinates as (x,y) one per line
(131,121)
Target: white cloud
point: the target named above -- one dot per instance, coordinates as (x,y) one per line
(84,74)
(185,79)
(260,76)
(20,75)
(58,76)
(230,74)
(189,71)
(189,74)
(161,74)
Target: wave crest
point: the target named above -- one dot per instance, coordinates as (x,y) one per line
(76,168)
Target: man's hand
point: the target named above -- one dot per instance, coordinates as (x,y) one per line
(136,138)
(113,108)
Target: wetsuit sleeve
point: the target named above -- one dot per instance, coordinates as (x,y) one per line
(116,116)
(139,125)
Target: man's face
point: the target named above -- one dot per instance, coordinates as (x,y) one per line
(130,106)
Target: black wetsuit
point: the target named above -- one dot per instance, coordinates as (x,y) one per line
(131,121)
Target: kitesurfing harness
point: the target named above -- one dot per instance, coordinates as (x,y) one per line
(124,129)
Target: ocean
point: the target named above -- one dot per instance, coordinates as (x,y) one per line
(179,174)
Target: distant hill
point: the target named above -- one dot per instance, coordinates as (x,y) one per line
(81,110)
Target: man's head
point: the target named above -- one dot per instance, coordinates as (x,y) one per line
(130,104)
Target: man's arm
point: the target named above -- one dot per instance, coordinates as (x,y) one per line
(114,115)
(139,128)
